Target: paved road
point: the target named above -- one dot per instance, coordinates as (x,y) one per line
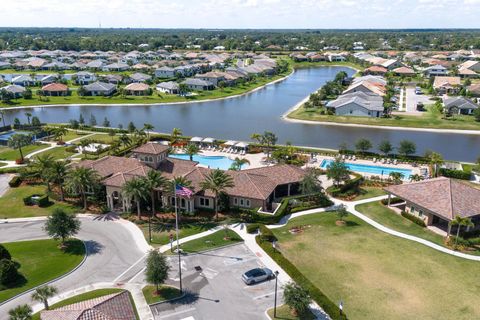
(413,99)
(216,291)
(111,247)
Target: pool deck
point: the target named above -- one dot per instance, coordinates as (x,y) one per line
(256,160)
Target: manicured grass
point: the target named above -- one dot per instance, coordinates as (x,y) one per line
(102,138)
(284,313)
(2,164)
(57,153)
(379,276)
(164,293)
(9,154)
(86,296)
(161,232)
(41,261)
(369,192)
(12,206)
(215,240)
(426,120)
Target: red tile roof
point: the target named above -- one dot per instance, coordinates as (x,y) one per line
(55,87)
(151,148)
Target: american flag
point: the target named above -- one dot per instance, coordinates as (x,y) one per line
(182,191)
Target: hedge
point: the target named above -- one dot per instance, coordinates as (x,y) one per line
(15,182)
(323,301)
(28,201)
(43,201)
(252,228)
(393,200)
(266,234)
(456,174)
(414,219)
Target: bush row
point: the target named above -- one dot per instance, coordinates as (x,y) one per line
(15,182)
(393,200)
(323,301)
(266,234)
(414,219)
(456,174)
(42,201)
(252,228)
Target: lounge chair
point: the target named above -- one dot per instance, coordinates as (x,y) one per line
(343,157)
(395,162)
(374,160)
(354,158)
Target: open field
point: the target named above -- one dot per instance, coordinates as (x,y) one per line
(379,276)
(41,261)
(57,153)
(12,206)
(428,119)
(10,154)
(215,240)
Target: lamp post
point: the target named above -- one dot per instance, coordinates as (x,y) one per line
(275,303)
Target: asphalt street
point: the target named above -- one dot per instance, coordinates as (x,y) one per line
(112,253)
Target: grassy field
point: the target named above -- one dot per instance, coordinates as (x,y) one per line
(161,232)
(428,119)
(165,293)
(215,240)
(154,98)
(57,153)
(83,297)
(284,313)
(9,154)
(41,261)
(379,276)
(12,206)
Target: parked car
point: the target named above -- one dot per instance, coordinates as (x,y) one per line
(418,90)
(257,275)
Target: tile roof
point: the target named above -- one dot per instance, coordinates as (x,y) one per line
(151,148)
(109,165)
(442,196)
(55,87)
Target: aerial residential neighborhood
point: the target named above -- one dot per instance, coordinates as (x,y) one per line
(239,160)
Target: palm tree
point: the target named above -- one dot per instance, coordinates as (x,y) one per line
(58,175)
(176,132)
(112,133)
(153,181)
(148,127)
(125,140)
(22,312)
(18,141)
(192,149)
(42,294)
(41,168)
(80,179)
(238,163)
(217,181)
(435,160)
(459,222)
(415,177)
(136,189)
(28,115)
(59,133)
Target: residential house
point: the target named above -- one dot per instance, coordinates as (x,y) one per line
(170,87)
(449,85)
(95,65)
(137,89)
(24,80)
(55,89)
(474,89)
(100,89)
(165,72)
(140,77)
(367,87)
(357,104)
(116,66)
(15,90)
(84,77)
(213,77)
(391,64)
(5,65)
(473,65)
(46,79)
(112,78)
(438,201)
(375,71)
(436,70)
(404,72)
(459,105)
(198,84)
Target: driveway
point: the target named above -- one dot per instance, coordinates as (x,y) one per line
(215,289)
(413,99)
(113,251)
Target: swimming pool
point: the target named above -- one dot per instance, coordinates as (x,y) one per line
(6,135)
(365,168)
(214,162)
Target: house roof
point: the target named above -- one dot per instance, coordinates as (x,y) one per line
(113,306)
(377,69)
(100,86)
(13,88)
(109,165)
(170,85)
(55,87)
(151,148)
(404,70)
(459,102)
(137,86)
(443,196)
(371,102)
(446,82)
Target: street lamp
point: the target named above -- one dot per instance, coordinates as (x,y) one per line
(275,303)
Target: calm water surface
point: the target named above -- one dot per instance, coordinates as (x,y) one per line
(258,111)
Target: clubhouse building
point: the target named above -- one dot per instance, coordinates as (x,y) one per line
(438,201)
(253,188)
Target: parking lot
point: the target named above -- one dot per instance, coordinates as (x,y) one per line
(215,290)
(412,99)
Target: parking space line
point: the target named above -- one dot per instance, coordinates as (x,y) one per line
(266,295)
(176,313)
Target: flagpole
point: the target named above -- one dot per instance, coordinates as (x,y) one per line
(178,243)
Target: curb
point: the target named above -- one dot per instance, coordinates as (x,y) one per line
(213,249)
(51,281)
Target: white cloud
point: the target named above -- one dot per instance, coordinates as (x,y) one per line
(243,13)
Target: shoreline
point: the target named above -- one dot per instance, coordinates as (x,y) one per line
(147,104)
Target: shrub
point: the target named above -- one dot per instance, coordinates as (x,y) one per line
(8,272)
(252,228)
(456,174)
(28,201)
(393,200)
(71,149)
(43,201)
(4,254)
(414,219)
(266,234)
(15,182)
(323,301)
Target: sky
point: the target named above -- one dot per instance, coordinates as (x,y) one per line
(242,14)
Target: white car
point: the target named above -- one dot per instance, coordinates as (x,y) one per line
(257,275)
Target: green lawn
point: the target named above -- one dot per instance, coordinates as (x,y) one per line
(379,276)
(57,153)
(165,293)
(369,192)
(41,261)
(102,138)
(9,154)
(12,206)
(428,119)
(284,313)
(215,240)
(161,232)
(86,296)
